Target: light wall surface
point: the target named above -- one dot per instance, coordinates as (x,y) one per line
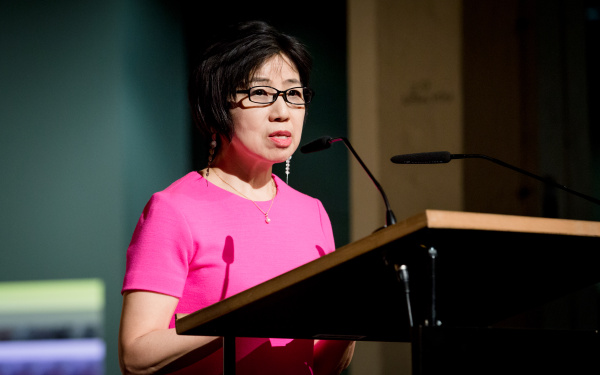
(405,97)
(511,80)
(404,87)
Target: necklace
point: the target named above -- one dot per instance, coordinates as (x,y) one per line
(266,213)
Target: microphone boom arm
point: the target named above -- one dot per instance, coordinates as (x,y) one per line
(445,157)
(517,169)
(390,218)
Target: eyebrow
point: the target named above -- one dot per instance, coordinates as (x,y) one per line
(267,80)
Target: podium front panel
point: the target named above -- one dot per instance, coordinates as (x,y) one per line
(488,268)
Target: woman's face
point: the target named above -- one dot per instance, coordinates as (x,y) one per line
(268,132)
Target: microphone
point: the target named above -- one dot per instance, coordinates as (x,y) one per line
(325,142)
(318,144)
(445,157)
(423,158)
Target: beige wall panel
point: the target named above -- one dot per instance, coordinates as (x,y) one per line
(366,207)
(405,96)
(420,101)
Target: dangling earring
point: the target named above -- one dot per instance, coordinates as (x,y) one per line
(211,152)
(287,169)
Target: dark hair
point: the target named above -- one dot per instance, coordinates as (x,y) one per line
(228,65)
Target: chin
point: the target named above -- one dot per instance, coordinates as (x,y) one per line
(281,158)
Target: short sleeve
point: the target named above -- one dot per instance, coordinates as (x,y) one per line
(160,250)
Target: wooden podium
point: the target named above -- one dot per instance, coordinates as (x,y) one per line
(486,268)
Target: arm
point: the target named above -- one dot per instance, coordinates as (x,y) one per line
(332,356)
(147,345)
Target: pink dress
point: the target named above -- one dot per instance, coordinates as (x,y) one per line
(201,244)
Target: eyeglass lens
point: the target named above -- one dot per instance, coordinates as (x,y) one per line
(266,95)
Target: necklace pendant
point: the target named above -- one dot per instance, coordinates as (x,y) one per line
(267,219)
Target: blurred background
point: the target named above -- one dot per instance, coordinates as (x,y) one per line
(94,119)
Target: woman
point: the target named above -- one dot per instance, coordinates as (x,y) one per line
(221,230)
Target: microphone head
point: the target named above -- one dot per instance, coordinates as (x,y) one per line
(423,158)
(316,145)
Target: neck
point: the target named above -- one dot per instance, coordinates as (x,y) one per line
(254,182)
(248,175)
(254,176)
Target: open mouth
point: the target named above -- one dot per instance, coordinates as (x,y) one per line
(281,138)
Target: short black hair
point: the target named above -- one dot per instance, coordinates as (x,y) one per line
(229,64)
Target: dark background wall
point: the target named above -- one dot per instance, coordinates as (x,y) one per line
(531,99)
(530,74)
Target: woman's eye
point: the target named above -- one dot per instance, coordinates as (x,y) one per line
(259,92)
(294,93)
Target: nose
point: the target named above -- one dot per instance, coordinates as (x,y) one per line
(279,109)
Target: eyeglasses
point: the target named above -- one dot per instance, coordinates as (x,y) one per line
(268,95)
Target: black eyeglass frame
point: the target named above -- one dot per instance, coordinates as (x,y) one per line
(280,92)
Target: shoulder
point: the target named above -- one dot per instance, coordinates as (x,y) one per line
(293,194)
(299,201)
(178,196)
(308,212)
(191,187)
(186,184)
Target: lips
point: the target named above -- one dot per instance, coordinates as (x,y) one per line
(281,138)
